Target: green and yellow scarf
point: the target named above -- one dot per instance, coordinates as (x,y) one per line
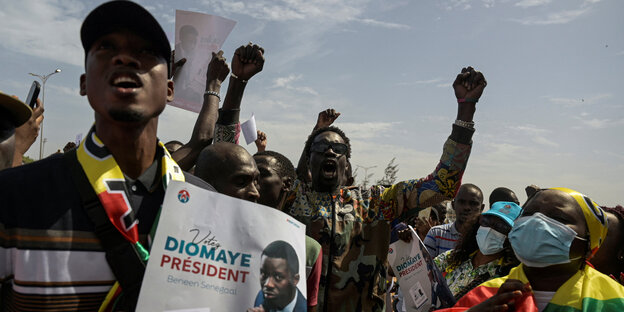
(108,182)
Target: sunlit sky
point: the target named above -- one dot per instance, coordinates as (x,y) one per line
(551,114)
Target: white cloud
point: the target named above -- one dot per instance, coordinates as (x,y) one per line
(46,29)
(368,130)
(372,22)
(580,101)
(532,3)
(420,82)
(287,83)
(538,135)
(332,10)
(562,17)
(596,123)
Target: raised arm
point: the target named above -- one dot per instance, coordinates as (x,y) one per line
(247,62)
(444,181)
(261,141)
(203,132)
(325,119)
(26,134)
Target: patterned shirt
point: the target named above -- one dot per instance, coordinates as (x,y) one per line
(461,278)
(441,238)
(353,226)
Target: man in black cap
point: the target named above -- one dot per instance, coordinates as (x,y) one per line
(13,113)
(86,231)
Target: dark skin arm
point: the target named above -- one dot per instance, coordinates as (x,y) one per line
(325,119)
(469,84)
(247,62)
(203,132)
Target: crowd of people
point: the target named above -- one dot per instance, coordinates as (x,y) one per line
(98,203)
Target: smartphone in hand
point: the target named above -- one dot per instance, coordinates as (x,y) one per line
(31,99)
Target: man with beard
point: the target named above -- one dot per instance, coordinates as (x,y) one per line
(266,179)
(352,224)
(278,280)
(86,230)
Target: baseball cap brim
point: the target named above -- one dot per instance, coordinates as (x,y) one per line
(19,111)
(508,211)
(116,15)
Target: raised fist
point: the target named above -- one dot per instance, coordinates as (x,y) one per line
(247,61)
(469,84)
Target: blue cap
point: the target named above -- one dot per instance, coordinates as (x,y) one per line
(508,211)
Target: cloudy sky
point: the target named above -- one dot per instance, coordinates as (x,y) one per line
(550,114)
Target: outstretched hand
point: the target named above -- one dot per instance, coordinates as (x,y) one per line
(469,84)
(247,61)
(505,298)
(218,69)
(326,118)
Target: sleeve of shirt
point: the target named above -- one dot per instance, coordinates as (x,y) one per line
(227,128)
(431,243)
(442,184)
(314,279)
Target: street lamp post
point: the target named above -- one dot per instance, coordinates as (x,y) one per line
(43,78)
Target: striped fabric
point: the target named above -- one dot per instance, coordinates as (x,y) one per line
(441,238)
(587,290)
(50,258)
(52,270)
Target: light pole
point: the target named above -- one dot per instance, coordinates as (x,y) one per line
(366,177)
(43,78)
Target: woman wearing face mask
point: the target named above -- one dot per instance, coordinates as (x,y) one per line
(483,252)
(559,230)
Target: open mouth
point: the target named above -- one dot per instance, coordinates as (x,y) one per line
(125,82)
(329,168)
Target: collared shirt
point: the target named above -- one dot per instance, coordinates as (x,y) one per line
(441,238)
(291,306)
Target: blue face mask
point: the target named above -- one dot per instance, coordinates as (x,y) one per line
(539,241)
(489,240)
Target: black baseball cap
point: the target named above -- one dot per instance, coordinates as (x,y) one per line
(121,14)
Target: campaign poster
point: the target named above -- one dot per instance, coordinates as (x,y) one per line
(214,253)
(421,283)
(197,35)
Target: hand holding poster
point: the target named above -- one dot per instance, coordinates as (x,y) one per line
(422,284)
(197,36)
(217,253)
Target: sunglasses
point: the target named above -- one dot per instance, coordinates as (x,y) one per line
(338,148)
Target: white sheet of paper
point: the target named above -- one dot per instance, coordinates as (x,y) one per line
(249,130)
(197,36)
(421,282)
(186,273)
(78,138)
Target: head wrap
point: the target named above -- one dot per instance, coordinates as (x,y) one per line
(594,217)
